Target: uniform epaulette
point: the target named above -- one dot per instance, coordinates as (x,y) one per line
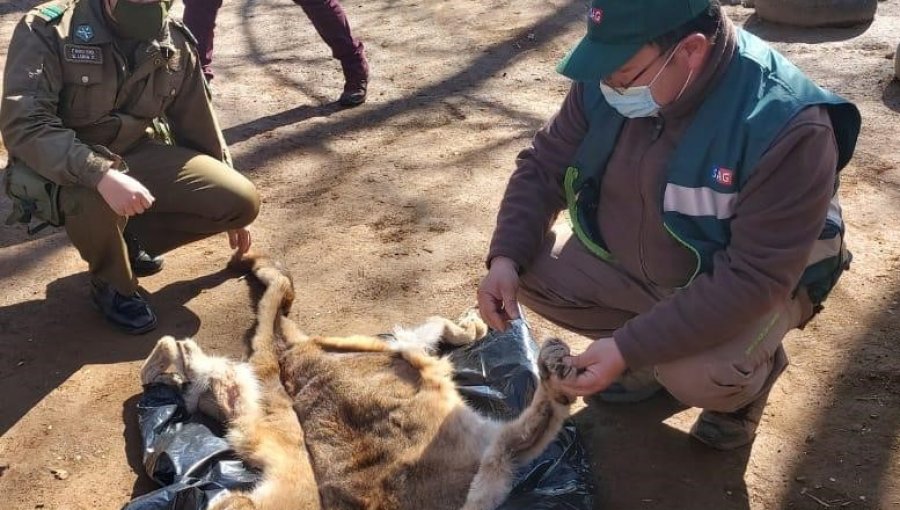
(184,30)
(50,11)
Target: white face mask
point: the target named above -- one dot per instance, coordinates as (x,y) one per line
(635,102)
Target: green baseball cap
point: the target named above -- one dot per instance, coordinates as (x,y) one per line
(617,29)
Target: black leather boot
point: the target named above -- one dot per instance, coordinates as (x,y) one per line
(131,314)
(142,263)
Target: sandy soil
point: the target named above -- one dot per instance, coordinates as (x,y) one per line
(383,213)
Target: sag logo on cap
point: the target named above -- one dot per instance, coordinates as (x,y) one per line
(723,176)
(596,15)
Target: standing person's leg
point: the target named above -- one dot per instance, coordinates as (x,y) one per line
(330,21)
(200,18)
(196,197)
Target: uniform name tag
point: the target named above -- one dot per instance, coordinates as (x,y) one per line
(83,54)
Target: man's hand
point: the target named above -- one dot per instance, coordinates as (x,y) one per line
(598,367)
(124,195)
(497,293)
(240,240)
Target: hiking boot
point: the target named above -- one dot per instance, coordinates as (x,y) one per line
(354,93)
(730,431)
(142,263)
(631,387)
(356,81)
(131,314)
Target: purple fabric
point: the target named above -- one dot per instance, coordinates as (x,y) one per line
(327,16)
(200,18)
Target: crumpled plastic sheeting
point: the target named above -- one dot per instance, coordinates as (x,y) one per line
(192,463)
(497,376)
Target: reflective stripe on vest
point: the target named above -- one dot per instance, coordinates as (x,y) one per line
(699,201)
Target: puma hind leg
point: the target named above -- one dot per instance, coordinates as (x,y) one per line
(468,329)
(271,438)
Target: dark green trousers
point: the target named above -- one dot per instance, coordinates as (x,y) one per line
(196,196)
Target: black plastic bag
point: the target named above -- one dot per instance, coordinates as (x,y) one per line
(497,376)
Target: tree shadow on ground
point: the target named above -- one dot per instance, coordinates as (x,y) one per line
(44,342)
(856,433)
(774,32)
(847,459)
(486,65)
(639,461)
(243,132)
(134,448)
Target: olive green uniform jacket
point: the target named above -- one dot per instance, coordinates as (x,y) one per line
(72,85)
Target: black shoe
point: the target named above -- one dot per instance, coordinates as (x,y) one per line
(129,313)
(354,93)
(142,263)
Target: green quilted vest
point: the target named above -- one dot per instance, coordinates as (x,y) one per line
(758,95)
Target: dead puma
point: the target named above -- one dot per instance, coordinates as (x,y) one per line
(360,422)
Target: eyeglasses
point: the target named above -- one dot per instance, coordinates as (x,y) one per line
(621,89)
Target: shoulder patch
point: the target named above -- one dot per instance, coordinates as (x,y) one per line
(50,11)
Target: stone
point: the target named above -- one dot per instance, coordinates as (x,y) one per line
(817,13)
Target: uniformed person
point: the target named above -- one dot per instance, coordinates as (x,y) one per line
(110,132)
(698,168)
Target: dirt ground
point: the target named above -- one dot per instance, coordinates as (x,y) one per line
(384,212)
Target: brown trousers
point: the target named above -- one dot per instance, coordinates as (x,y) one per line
(574,289)
(196,196)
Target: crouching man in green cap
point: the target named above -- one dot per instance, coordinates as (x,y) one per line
(699,169)
(110,132)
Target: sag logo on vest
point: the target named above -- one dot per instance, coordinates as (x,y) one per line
(723,176)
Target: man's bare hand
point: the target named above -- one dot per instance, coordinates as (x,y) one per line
(240,240)
(497,294)
(124,194)
(598,367)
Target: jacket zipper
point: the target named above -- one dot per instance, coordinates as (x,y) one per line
(658,125)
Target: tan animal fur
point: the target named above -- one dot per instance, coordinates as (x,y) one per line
(360,422)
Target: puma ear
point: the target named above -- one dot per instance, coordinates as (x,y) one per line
(158,366)
(190,356)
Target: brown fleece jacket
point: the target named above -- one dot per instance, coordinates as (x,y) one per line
(778,216)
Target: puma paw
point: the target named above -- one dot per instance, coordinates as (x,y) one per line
(552,360)
(554,367)
(472,323)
